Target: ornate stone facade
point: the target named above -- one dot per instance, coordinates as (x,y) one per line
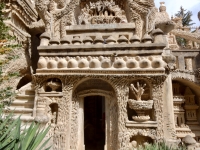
(107,69)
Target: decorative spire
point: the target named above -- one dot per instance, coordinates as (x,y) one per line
(162,7)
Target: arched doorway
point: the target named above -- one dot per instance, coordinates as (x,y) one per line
(98,125)
(94,122)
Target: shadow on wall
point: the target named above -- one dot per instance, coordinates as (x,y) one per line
(24,80)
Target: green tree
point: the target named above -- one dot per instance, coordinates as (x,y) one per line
(186,22)
(186,16)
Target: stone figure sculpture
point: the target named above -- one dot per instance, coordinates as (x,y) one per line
(133,145)
(102,12)
(143,14)
(45,15)
(56,14)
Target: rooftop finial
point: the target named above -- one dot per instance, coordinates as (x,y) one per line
(162,7)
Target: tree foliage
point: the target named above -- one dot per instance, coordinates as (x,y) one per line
(186,22)
(186,16)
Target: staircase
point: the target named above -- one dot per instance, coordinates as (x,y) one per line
(23,104)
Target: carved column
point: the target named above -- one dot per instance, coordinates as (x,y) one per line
(41,116)
(157,94)
(69,111)
(81,144)
(168,112)
(181,62)
(121,88)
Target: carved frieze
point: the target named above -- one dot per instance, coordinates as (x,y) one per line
(101,63)
(102,12)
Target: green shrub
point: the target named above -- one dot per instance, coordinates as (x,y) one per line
(12,137)
(161,146)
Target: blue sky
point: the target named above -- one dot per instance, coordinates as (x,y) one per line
(173,6)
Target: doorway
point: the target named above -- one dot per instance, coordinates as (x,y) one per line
(94,122)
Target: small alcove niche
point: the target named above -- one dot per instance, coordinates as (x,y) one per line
(140,95)
(53,85)
(102,12)
(53,113)
(140,140)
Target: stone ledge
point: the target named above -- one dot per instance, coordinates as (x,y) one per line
(101,27)
(98,53)
(105,71)
(141,124)
(140,46)
(186,50)
(49,94)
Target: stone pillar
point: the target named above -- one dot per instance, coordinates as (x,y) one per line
(122,99)
(181,62)
(169,125)
(67,94)
(189,64)
(81,145)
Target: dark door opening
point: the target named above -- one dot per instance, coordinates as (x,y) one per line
(94,122)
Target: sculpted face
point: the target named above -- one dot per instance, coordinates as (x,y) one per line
(92,5)
(134,144)
(99,6)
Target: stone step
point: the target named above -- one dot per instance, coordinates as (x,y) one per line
(23,103)
(24,118)
(25,97)
(22,96)
(29,92)
(20,111)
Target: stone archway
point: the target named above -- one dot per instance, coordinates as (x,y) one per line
(94,87)
(186,108)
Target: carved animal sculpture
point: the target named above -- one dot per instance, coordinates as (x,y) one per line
(115,10)
(140,10)
(85,16)
(42,9)
(147,3)
(93,10)
(99,7)
(60,3)
(83,20)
